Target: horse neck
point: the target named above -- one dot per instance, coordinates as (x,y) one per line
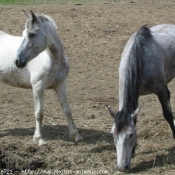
(128,101)
(122,71)
(121,92)
(128,81)
(55,47)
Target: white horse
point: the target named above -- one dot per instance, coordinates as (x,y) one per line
(37,60)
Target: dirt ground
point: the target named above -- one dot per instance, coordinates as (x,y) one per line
(94,36)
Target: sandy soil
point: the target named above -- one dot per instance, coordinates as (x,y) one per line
(94,36)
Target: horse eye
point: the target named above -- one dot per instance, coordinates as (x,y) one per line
(130,135)
(31,35)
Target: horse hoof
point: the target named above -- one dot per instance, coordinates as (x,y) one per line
(39,141)
(76,137)
(42,142)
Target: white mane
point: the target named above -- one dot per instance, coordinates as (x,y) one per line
(47,18)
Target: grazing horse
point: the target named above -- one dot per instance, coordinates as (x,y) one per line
(37,60)
(147,66)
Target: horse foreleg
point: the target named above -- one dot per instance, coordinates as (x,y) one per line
(61,91)
(164,98)
(38,92)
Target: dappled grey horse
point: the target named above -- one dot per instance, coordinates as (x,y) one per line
(37,60)
(147,66)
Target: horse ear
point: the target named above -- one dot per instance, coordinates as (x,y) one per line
(34,17)
(26,14)
(135,113)
(112,112)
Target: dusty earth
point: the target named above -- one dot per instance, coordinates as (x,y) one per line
(94,35)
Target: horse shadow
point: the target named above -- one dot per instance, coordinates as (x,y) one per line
(92,136)
(159,160)
(60,132)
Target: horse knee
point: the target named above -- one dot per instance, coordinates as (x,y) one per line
(66,110)
(39,115)
(167,113)
(170,119)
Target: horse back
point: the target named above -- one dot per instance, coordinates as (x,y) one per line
(164,34)
(157,54)
(159,62)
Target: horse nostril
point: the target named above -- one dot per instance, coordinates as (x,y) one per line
(20,64)
(17,63)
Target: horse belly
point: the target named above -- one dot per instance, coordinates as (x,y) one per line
(16,80)
(17,83)
(11,75)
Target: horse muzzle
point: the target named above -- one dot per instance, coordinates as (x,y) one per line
(125,168)
(20,63)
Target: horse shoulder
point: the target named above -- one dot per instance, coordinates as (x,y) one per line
(41,64)
(49,72)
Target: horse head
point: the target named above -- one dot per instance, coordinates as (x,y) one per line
(34,41)
(124,134)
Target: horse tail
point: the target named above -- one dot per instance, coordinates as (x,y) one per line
(134,74)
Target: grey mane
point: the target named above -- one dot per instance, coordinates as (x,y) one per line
(47,18)
(133,77)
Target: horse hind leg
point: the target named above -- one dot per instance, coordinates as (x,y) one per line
(38,92)
(170,104)
(164,98)
(61,91)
